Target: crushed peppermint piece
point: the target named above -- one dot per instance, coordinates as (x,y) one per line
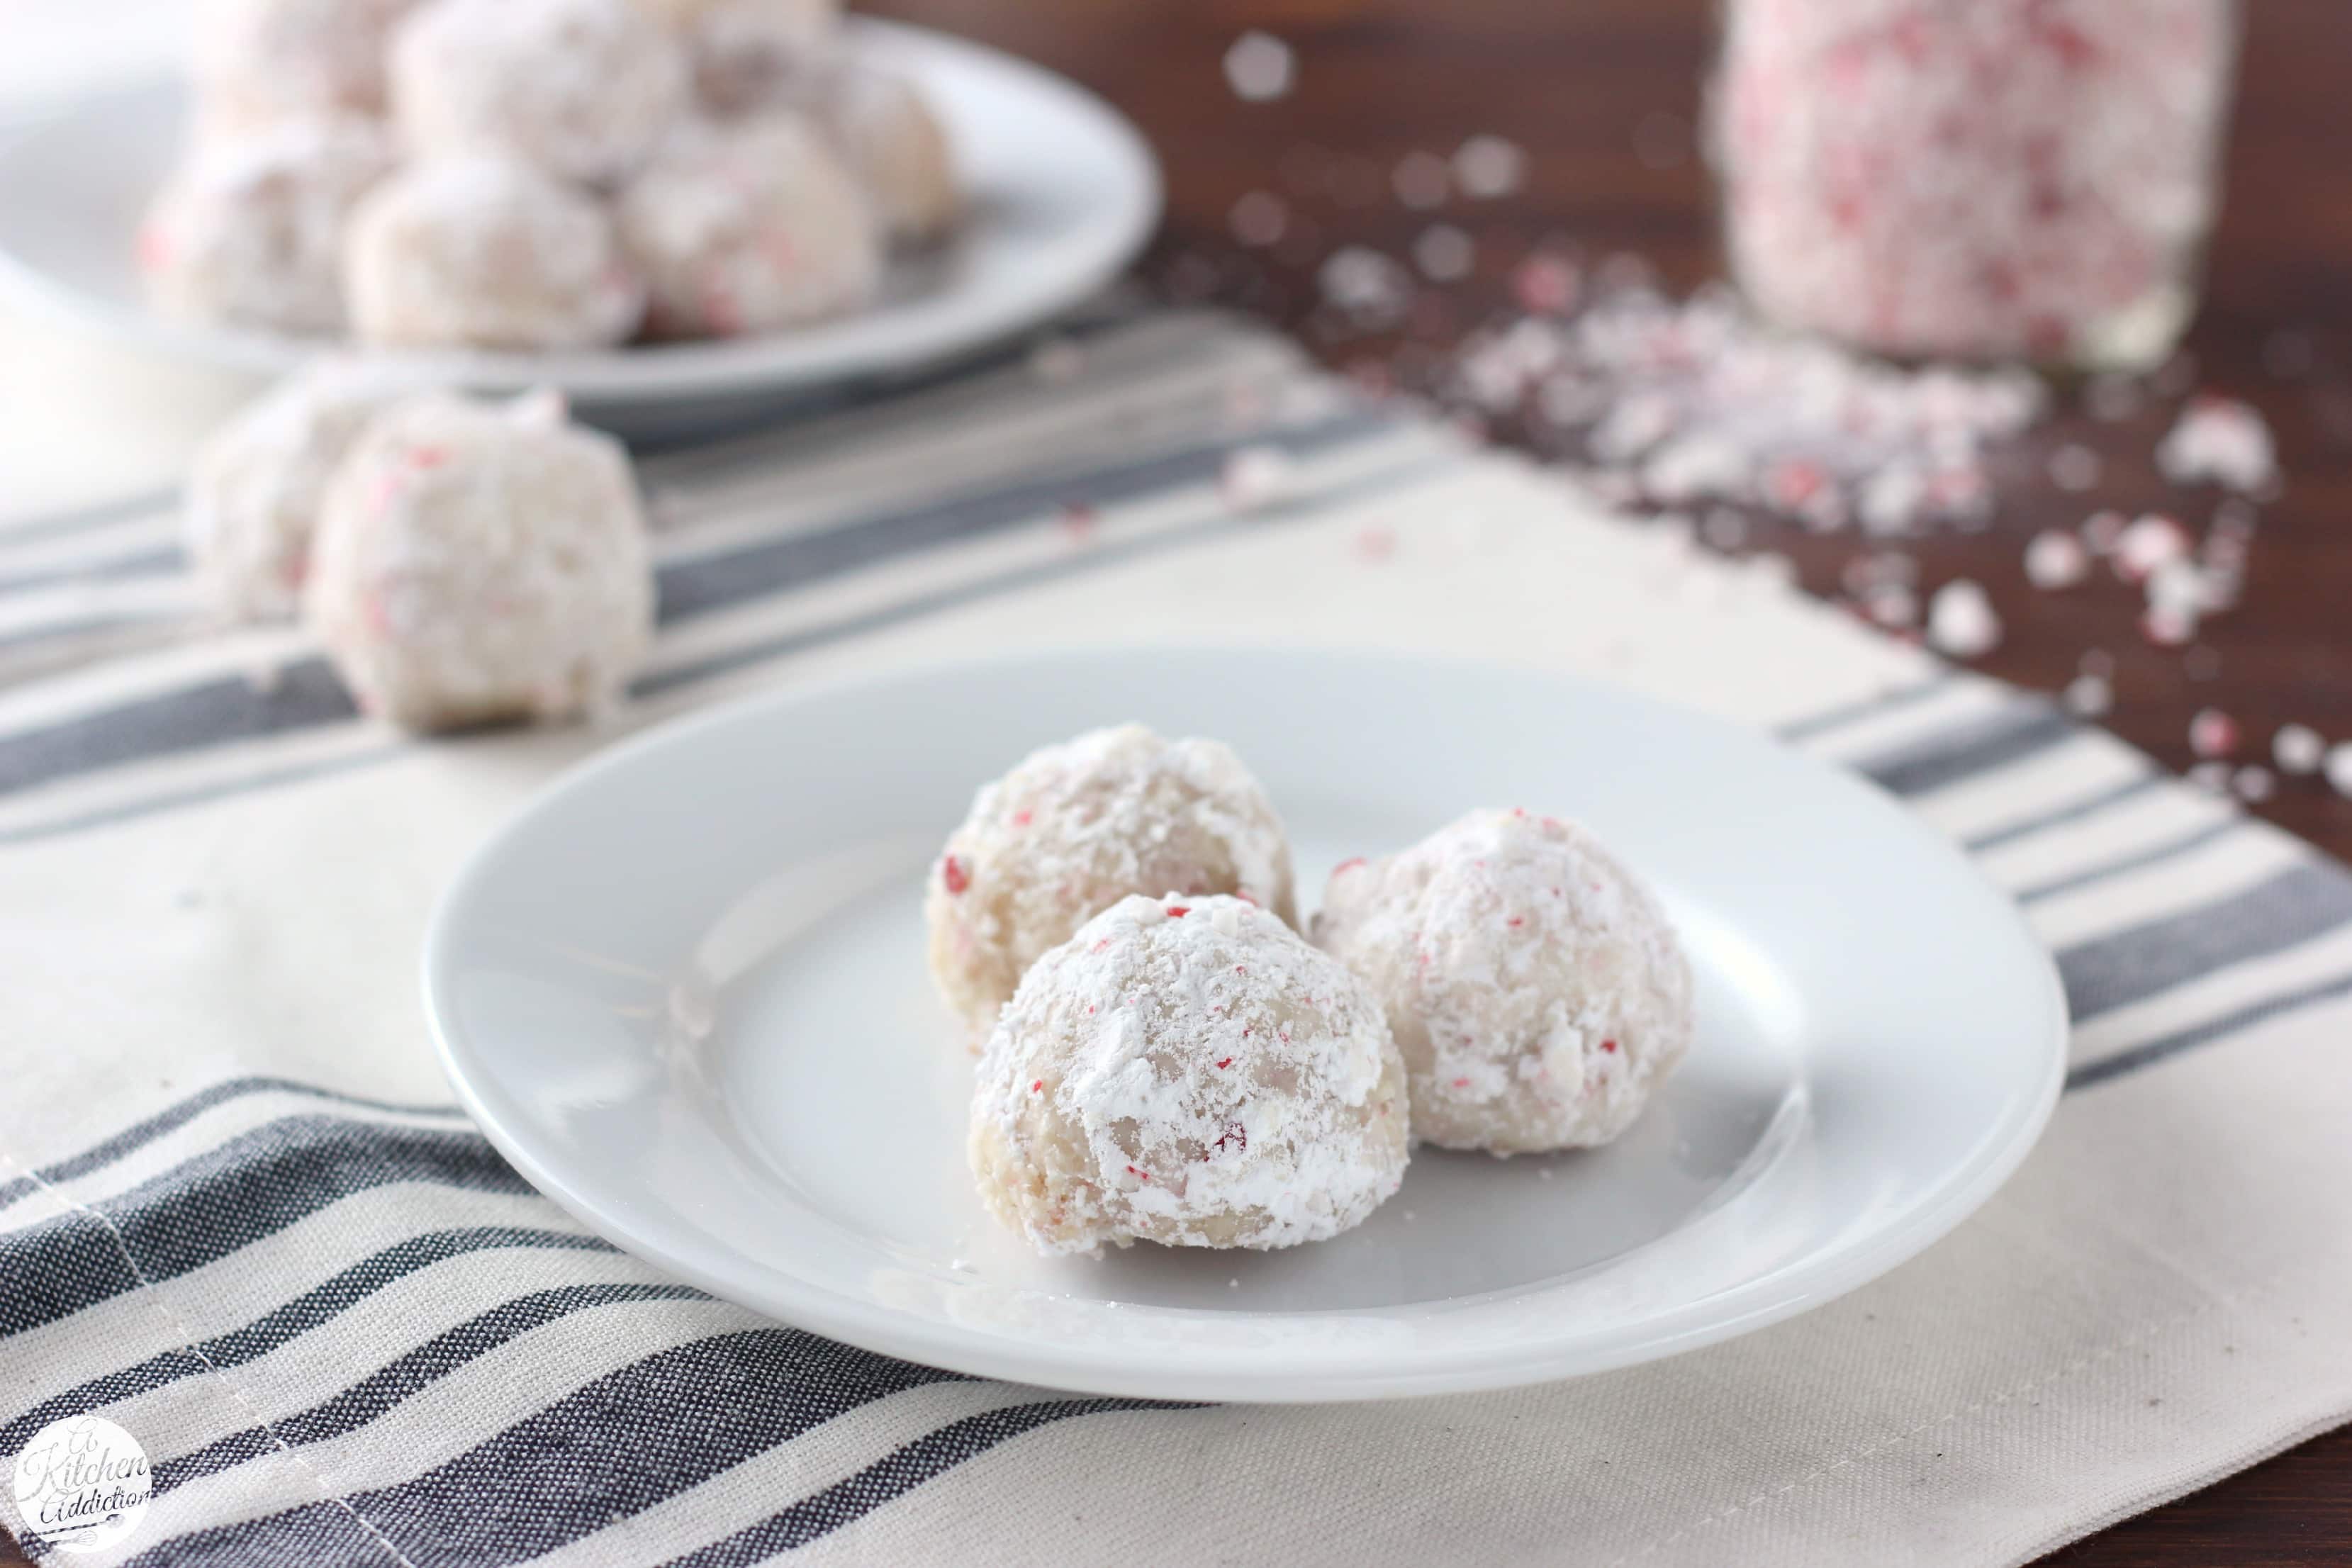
(1368,286)
(1260,68)
(2222,440)
(2213,733)
(1486,167)
(1961,621)
(2298,749)
(2147,544)
(2089,695)
(2168,626)
(2055,560)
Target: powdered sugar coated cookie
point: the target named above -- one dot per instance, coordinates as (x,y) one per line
(752,55)
(584,89)
(1187,1071)
(1535,986)
(257,483)
(479,562)
(485,253)
(249,230)
(747,228)
(1078,826)
(260,61)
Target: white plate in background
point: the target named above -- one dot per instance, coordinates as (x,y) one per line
(1064,193)
(684,992)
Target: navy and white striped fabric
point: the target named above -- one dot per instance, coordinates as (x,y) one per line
(239,1217)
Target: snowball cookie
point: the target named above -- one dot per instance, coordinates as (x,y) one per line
(581,87)
(746,228)
(1535,987)
(255,491)
(260,61)
(477,562)
(751,54)
(1187,1071)
(250,229)
(1075,827)
(897,149)
(485,253)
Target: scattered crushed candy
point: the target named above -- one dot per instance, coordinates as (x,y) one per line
(2220,441)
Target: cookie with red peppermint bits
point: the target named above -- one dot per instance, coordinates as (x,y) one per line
(748,227)
(481,562)
(1535,986)
(749,56)
(260,62)
(1187,1071)
(894,143)
(486,252)
(1078,826)
(581,89)
(249,230)
(257,483)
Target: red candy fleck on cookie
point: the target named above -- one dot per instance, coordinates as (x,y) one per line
(1235,1134)
(1228,1061)
(952,876)
(1462,1083)
(428,457)
(1348,865)
(1021,818)
(1178,912)
(1516,920)
(1608,1045)
(1138,1175)
(1037,1088)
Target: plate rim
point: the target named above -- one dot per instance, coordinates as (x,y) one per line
(630,377)
(1813,1282)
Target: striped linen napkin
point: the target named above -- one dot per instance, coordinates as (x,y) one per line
(239,1217)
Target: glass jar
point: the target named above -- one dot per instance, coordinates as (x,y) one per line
(1974,179)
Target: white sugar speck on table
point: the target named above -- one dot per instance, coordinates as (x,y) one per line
(1486,167)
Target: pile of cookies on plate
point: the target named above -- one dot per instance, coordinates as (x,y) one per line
(1164,1057)
(533,175)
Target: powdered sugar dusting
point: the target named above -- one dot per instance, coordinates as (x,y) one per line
(1187,1071)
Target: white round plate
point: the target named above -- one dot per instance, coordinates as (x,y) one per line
(684,992)
(1064,193)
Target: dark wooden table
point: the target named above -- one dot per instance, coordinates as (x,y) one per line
(1604,94)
